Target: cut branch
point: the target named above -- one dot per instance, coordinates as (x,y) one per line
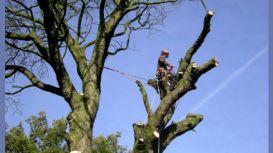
(176,129)
(206,67)
(191,51)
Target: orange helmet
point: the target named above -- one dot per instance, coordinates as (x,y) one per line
(165,51)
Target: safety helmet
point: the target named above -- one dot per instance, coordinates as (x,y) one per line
(165,51)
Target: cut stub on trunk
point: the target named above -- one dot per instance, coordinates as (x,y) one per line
(75,152)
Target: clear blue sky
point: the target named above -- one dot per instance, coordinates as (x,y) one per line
(232,97)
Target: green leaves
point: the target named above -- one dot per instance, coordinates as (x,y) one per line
(108,144)
(41,139)
(18,142)
(45,139)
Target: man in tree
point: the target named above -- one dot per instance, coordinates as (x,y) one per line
(163,65)
(164,73)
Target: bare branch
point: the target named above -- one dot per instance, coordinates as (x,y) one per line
(80,20)
(32,36)
(24,48)
(26,37)
(145,99)
(129,22)
(191,51)
(153,3)
(11,73)
(34,80)
(89,44)
(101,13)
(23,15)
(20,90)
(122,48)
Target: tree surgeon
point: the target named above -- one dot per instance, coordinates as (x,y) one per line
(164,73)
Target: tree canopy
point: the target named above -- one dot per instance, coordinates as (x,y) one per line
(43,138)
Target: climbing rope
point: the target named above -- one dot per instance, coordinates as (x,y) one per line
(128,76)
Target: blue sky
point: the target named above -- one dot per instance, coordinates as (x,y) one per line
(232,97)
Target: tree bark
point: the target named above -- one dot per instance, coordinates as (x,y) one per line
(80,135)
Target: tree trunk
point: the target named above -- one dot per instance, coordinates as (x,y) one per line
(81,120)
(149,139)
(146,139)
(81,127)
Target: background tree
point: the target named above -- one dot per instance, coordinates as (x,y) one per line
(41,138)
(45,139)
(17,141)
(40,33)
(157,134)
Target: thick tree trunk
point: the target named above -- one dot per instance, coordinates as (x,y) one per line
(81,120)
(149,139)
(80,135)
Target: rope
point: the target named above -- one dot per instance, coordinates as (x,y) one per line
(128,76)
(204,5)
(146,118)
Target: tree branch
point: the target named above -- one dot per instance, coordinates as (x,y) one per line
(153,3)
(19,36)
(89,44)
(145,99)
(191,51)
(32,36)
(50,21)
(183,86)
(24,48)
(186,84)
(206,67)
(101,13)
(122,48)
(8,75)
(25,16)
(176,129)
(80,20)
(34,80)
(129,22)
(153,83)
(20,90)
